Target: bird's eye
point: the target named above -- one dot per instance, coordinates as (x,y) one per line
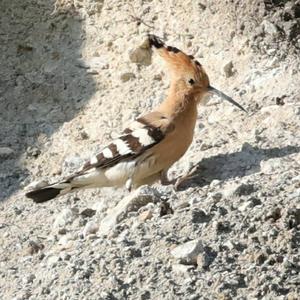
(191,81)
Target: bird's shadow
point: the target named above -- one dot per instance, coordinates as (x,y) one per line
(233,165)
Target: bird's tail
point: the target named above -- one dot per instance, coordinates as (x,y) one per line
(49,192)
(81,180)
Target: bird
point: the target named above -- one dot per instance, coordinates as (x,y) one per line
(145,151)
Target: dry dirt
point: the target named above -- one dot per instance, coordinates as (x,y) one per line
(68,85)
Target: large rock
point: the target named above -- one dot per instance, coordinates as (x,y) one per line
(188,252)
(132,202)
(90,227)
(6,151)
(228,69)
(141,55)
(269,28)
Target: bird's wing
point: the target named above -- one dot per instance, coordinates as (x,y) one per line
(143,134)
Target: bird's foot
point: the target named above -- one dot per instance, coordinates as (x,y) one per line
(180,181)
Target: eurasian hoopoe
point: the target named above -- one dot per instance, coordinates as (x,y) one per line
(154,142)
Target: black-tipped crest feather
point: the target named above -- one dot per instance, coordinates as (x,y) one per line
(155,41)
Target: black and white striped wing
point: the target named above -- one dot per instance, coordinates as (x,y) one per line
(126,147)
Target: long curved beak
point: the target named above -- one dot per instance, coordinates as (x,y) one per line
(224,96)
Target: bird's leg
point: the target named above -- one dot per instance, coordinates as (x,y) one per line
(164,180)
(128,184)
(181,179)
(176,181)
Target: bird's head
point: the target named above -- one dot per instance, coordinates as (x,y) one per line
(187,74)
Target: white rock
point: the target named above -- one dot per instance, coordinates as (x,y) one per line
(65,240)
(269,28)
(122,236)
(229,190)
(295,179)
(150,206)
(229,244)
(6,151)
(188,252)
(270,109)
(73,163)
(210,43)
(179,268)
(52,261)
(244,206)
(132,202)
(90,227)
(99,206)
(215,183)
(213,118)
(271,166)
(29,278)
(66,216)
(96,63)
(145,215)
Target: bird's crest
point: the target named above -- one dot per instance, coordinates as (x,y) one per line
(188,69)
(179,63)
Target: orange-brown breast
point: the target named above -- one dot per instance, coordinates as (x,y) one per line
(178,141)
(163,155)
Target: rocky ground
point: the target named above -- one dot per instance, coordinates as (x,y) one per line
(71,80)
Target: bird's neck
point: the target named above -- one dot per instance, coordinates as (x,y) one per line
(177,103)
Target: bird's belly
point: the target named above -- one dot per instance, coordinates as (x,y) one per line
(145,167)
(136,170)
(120,173)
